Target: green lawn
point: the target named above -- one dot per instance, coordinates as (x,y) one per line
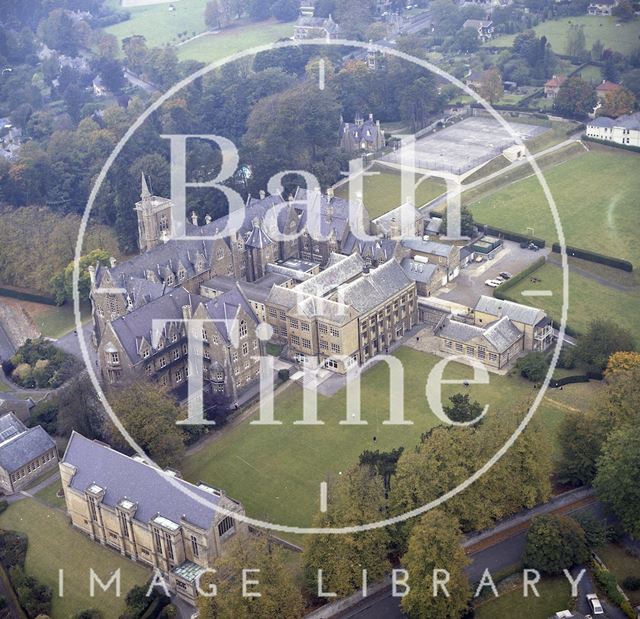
(217,46)
(597,199)
(48,495)
(54,545)
(382,192)
(554,596)
(276,470)
(54,321)
(622,564)
(623,38)
(588,299)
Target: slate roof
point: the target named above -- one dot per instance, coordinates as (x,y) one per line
(405,214)
(515,311)
(325,23)
(22,448)
(258,238)
(380,249)
(422,272)
(10,425)
(500,335)
(627,121)
(368,291)
(123,477)
(224,311)
(428,247)
(366,131)
(477,23)
(132,327)
(333,276)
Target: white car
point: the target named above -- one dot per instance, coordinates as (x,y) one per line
(492,283)
(594,603)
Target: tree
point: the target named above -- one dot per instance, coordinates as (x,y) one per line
(467,41)
(150,416)
(623,10)
(279,594)
(467,223)
(491,87)
(575,41)
(554,543)
(631,81)
(622,362)
(617,480)
(434,544)
(618,102)
(112,74)
(533,367)
(213,15)
(597,49)
(355,498)
(462,409)
(575,98)
(418,102)
(580,437)
(599,342)
(384,463)
(62,283)
(285,10)
(135,52)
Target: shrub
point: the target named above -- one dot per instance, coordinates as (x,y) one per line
(533,367)
(13,548)
(3,505)
(610,586)
(33,596)
(38,363)
(283,375)
(631,583)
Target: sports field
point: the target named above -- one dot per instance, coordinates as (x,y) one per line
(623,38)
(588,299)
(597,199)
(276,471)
(382,191)
(54,545)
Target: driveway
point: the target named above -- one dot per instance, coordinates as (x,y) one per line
(469,285)
(69,343)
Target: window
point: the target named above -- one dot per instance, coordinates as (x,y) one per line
(164,223)
(459,347)
(306,343)
(205,337)
(176,354)
(334,332)
(163,362)
(220,253)
(178,376)
(331,363)
(245,348)
(272,312)
(124,525)
(293,323)
(322,328)
(226,525)
(115,358)
(206,354)
(282,314)
(295,340)
(174,337)
(470,351)
(324,345)
(93,509)
(145,353)
(448,343)
(304,326)
(157,540)
(168,545)
(335,348)
(234,357)
(493,356)
(194,546)
(243,329)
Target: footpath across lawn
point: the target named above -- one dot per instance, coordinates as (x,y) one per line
(54,545)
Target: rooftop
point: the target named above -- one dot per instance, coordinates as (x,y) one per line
(515,311)
(22,446)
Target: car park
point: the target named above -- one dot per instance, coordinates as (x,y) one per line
(492,283)
(595,605)
(506,275)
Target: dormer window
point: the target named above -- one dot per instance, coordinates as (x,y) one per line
(114,358)
(164,223)
(174,337)
(243,329)
(145,353)
(182,274)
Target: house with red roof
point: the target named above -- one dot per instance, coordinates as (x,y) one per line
(552,86)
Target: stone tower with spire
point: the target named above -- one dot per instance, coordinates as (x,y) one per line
(154,219)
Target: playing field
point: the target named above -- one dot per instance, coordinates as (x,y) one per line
(623,38)
(54,545)
(382,191)
(597,199)
(588,299)
(276,471)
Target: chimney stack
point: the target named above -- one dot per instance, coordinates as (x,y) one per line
(194,218)
(112,262)
(186,312)
(263,194)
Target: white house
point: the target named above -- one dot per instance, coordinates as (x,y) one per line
(483,27)
(622,130)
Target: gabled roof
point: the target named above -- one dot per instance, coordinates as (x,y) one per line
(334,275)
(147,487)
(429,247)
(607,86)
(499,336)
(422,272)
(627,121)
(23,447)
(515,311)
(405,214)
(224,311)
(477,23)
(502,334)
(556,81)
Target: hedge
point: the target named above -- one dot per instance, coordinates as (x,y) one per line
(609,584)
(516,279)
(23,295)
(569,380)
(511,236)
(591,256)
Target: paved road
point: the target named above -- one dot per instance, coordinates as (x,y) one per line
(502,555)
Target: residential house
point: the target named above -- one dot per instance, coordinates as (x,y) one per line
(552,86)
(25,454)
(604,88)
(362,136)
(622,130)
(310,27)
(601,7)
(484,28)
(150,516)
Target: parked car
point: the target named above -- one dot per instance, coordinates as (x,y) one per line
(492,283)
(533,247)
(594,603)
(506,275)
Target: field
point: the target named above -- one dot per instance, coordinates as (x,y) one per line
(210,48)
(623,38)
(382,193)
(276,470)
(596,195)
(554,596)
(588,299)
(54,545)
